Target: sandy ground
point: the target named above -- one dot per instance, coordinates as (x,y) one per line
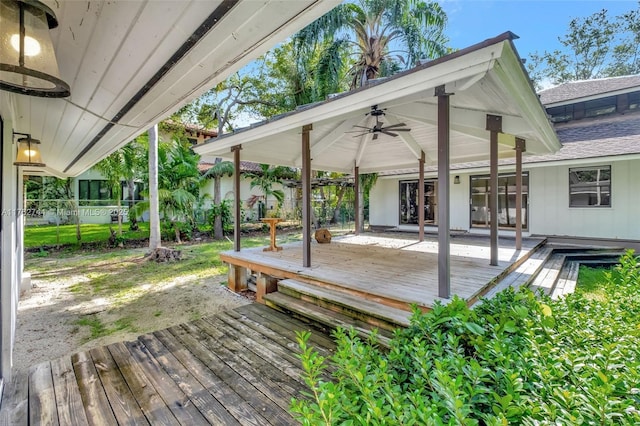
(48,314)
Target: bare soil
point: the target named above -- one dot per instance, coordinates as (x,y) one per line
(49,315)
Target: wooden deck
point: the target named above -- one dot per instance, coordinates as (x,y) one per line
(235,368)
(392,269)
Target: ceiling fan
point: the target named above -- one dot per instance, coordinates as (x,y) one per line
(379,127)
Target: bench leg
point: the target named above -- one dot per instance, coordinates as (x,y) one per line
(237,278)
(265,284)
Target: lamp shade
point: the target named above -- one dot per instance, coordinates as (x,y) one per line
(29,153)
(28,62)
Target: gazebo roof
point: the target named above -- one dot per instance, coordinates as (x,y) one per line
(486,78)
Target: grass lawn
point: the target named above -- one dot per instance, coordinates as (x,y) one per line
(125,283)
(52,235)
(592,281)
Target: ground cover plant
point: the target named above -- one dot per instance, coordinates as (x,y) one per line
(519,358)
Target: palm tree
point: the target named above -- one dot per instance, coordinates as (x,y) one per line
(178,185)
(112,169)
(265,179)
(217,172)
(383,33)
(155,238)
(135,165)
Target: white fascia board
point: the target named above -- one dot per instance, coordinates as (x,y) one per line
(466,66)
(515,81)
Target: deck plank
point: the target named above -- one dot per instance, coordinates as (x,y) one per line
(123,403)
(182,408)
(233,402)
(68,399)
(150,402)
(42,397)
(287,326)
(278,389)
(14,409)
(261,346)
(243,383)
(93,395)
(209,406)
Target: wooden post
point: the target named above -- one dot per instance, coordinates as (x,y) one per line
(237,278)
(421,198)
(356,201)
(306,196)
(444,260)
(494,126)
(265,284)
(520,148)
(236,195)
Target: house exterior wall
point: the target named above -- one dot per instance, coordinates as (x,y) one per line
(226,189)
(549,212)
(10,248)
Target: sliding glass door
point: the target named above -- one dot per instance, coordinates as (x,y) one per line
(480,191)
(409,202)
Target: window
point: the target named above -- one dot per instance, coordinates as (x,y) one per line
(93,190)
(590,187)
(561,114)
(409,202)
(634,100)
(137,190)
(600,106)
(480,191)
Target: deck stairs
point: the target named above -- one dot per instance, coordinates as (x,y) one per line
(332,306)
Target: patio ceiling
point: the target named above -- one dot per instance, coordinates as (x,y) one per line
(487,78)
(132,63)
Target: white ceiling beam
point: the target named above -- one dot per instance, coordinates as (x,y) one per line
(408,140)
(366,138)
(324,143)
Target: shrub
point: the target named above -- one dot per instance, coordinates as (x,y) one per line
(516,359)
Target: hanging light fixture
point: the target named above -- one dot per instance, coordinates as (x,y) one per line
(27,60)
(28,151)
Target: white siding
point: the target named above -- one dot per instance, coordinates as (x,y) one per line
(551,215)
(11,255)
(549,211)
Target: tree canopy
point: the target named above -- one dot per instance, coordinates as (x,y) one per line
(595,46)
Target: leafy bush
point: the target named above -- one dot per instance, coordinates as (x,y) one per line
(224,211)
(515,359)
(168,230)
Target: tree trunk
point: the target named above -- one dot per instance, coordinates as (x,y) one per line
(119,212)
(360,211)
(131,189)
(218,231)
(339,196)
(176,229)
(154,203)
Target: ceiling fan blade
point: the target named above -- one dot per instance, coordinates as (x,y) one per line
(395,125)
(389,133)
(401,130)
(357,136)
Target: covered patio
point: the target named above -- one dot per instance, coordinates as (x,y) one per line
(477,103)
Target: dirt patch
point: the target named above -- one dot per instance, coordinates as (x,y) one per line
(54,320)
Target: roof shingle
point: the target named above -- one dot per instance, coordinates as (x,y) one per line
(582,89)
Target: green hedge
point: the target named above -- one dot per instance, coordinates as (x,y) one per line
(516,359)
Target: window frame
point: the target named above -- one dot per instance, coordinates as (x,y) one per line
(572,205)
(525,202)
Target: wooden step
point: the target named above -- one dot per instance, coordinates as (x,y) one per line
(566,282)
(317,314)
(372,312)
(548,276)
(523,274)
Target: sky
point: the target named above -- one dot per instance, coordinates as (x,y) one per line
(538,23)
